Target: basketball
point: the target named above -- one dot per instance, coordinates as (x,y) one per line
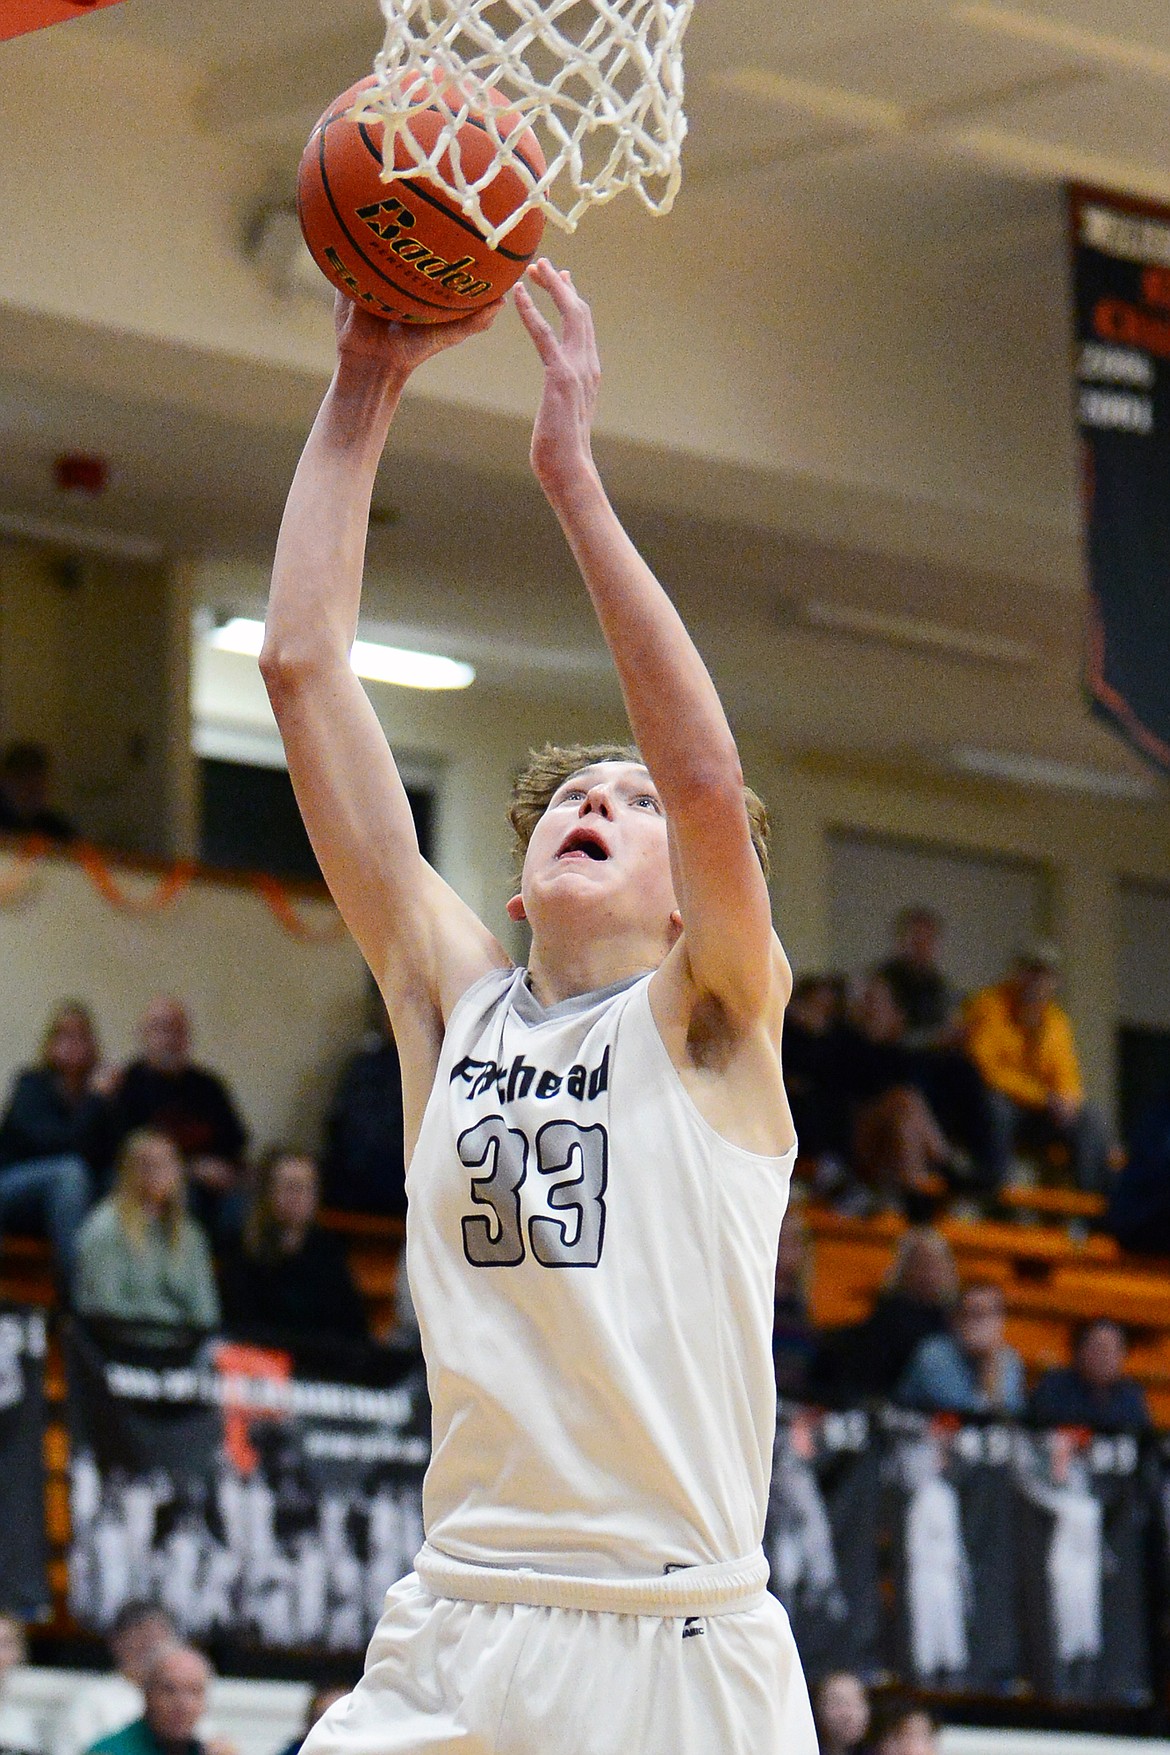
(405,250)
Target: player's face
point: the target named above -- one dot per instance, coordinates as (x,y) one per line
(601,846)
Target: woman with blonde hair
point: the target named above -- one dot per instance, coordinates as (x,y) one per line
(54,1134)
(140,1256)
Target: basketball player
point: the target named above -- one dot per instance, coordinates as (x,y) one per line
(599,1150)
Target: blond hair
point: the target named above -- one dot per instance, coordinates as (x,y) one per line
(918,1238)
(549,768)
(127,1200)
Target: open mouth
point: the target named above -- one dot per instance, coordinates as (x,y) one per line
(583,843)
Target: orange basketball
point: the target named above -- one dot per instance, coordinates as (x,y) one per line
(406,250)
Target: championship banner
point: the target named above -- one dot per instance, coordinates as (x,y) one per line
(952,1514)
(821,1535)
(24,1585)
(255,1504)
(1121,271)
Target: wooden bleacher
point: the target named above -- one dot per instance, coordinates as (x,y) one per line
(1052,1279)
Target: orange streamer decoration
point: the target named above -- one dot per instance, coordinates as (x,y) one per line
(278,901)
(29,853)
(100,874)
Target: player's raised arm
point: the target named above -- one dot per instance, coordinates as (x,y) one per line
(674,711)
(422,943)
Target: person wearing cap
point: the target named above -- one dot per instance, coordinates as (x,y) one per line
(1021,1040)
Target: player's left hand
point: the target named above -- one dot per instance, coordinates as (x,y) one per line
(572,375)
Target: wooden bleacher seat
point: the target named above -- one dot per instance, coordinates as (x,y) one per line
(1054,1203)
(374,1248)
(26,1272)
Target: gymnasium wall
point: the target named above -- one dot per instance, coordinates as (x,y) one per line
(276,1016)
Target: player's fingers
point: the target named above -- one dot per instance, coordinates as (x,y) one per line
(542,334)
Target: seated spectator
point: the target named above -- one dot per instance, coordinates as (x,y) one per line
(165,1090)
(841,1712)
(18,1728)
(898,1147)
(1022,1042)
(794,1340)
(921,991)
(1093,1390)
(321,1699)
(916,1301)
(175,1695)
(287,1273)
(111,1702)
(26,775)
(140,1258)
(971,1369)
(946,1076)
(1139,1203)
(54,1133)
(811,1021)
(363,1166)
(901,1729)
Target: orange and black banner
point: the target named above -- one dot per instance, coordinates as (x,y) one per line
(1121,266)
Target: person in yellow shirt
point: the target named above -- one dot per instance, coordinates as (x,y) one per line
(1021,1040)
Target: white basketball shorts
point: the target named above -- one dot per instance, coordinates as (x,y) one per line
(445,1673)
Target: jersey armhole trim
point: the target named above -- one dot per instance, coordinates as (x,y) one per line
(777,1162)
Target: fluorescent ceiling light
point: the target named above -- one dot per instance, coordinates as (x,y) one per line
(1044,772)
(387,664)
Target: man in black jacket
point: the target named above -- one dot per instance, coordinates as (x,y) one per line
(164,1089)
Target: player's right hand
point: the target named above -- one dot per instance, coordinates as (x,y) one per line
(400,348)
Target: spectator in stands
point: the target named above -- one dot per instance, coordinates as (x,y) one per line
(1139,1203)
(287,1273)
(1093,1390)
(946,1076)
(18,1728)
(899,1149)
(794,1340)
(364,1168)
(140,1257)
(916,1302)
(175,1694)
(165,1090)
(322,1698)
(970,1369)
(811,1044)
(901,1729)
(26,776)
(920,989)
(111,1702)
(841,1711)
(1022,1042)
(54,1133)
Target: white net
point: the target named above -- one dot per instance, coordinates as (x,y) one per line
(600,82)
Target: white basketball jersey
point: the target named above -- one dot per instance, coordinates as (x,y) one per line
(593,1269)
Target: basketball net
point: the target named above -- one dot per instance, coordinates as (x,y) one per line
(599,81)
